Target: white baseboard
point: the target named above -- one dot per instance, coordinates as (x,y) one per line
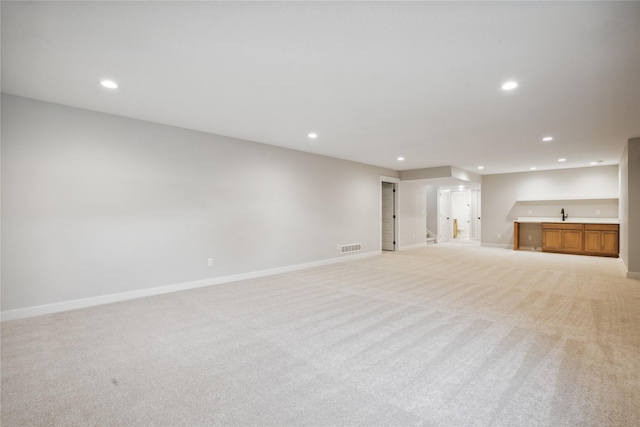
(39,310)
(629,274)
(530,248)
(633,275)
(623,265)
(417,245)
(497,245)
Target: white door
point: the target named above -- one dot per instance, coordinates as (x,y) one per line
(444,221)
(479,212)
(388,216)
(473,221)
(475,215)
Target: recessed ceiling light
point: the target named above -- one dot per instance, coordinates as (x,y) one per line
(110,84)
(509,86)
(593,163)
(400,159)
(533,168)
(562,160)
(480,167)
(547,138)
(313,135)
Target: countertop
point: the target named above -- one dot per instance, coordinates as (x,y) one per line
(570,220)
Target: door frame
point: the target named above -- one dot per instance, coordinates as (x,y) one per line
(395,182)
(448,221)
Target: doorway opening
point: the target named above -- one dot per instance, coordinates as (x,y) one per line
(459,214)
(388,209)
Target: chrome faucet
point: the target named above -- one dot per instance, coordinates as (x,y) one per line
(563,215)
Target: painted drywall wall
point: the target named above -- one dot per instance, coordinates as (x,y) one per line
(446,173)
(96,204)
(412,211)
(632,220)
(500,195)
(623,174)
(428,173)
(465,175)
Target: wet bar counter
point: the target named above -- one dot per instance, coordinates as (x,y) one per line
(581,236)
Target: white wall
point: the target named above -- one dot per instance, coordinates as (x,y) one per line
(412,214)
(630,208)
(500,194)
(623,174)
(634,207)
(96,204)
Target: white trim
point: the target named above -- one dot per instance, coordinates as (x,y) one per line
(39,310)
(530,248)
(625,270)
(633,275)
(497,245)
(629,274)
(417,245)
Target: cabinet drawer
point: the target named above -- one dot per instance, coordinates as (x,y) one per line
(601,227)
(561,226)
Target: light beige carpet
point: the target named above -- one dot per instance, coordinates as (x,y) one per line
(445,335)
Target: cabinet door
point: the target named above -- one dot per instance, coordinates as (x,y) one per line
(572,240)
(593,241)
(551,240)
(610,242)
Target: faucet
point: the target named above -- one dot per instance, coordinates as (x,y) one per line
(563,215)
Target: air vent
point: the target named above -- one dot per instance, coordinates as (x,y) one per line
(353,247)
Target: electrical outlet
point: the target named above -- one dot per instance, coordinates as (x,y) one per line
(210,262)
(597,211)
(499,236)
(529,212)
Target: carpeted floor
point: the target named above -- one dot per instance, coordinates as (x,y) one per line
(449,334)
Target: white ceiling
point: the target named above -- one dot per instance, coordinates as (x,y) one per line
(375,80)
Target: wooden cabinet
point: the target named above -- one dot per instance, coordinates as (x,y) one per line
(567,238)
(576,238)
(601,239)
(551,239)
